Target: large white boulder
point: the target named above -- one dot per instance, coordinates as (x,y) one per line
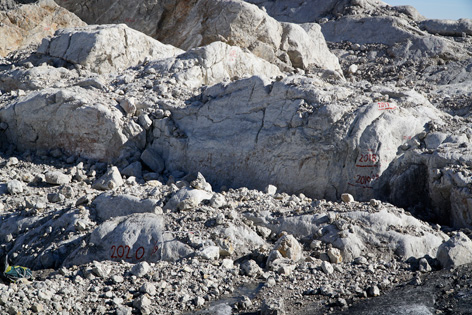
(200,23)
(133,238)
(105,48)
(254,132)
(80,121)
(456,251)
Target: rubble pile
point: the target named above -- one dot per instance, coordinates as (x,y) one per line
(219,157)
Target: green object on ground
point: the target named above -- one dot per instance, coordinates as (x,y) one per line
(14,273)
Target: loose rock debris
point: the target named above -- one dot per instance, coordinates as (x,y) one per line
(260,162)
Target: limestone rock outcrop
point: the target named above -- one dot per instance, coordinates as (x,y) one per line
(105,48)
(191,24)
(73,119)
(25,25)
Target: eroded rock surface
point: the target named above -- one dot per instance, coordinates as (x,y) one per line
(25,25)
(105,48)
(255,168)
(197,23)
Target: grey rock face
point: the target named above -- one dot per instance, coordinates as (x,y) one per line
(408,42)
(44,18)
(299,11)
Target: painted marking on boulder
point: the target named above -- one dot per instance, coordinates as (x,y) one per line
(386,106)
(155,248)
(232,54)
(123,251)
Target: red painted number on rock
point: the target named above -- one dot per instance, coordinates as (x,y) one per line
(366,179)
(137,251)
(124,251)
(368,158)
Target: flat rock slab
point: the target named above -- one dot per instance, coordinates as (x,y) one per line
(109,206)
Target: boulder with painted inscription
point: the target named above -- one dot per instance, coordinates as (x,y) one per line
(133,238)
(255,114)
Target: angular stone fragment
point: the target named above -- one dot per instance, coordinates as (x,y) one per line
(347,198)
(335,256)
(141,269)
(456,251)
(327,267)
(153,160)
(271,190)
(250,268)
(57,178)
(289,247)
(15,187)
(110,180)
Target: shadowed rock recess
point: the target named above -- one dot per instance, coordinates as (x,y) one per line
(234,157)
